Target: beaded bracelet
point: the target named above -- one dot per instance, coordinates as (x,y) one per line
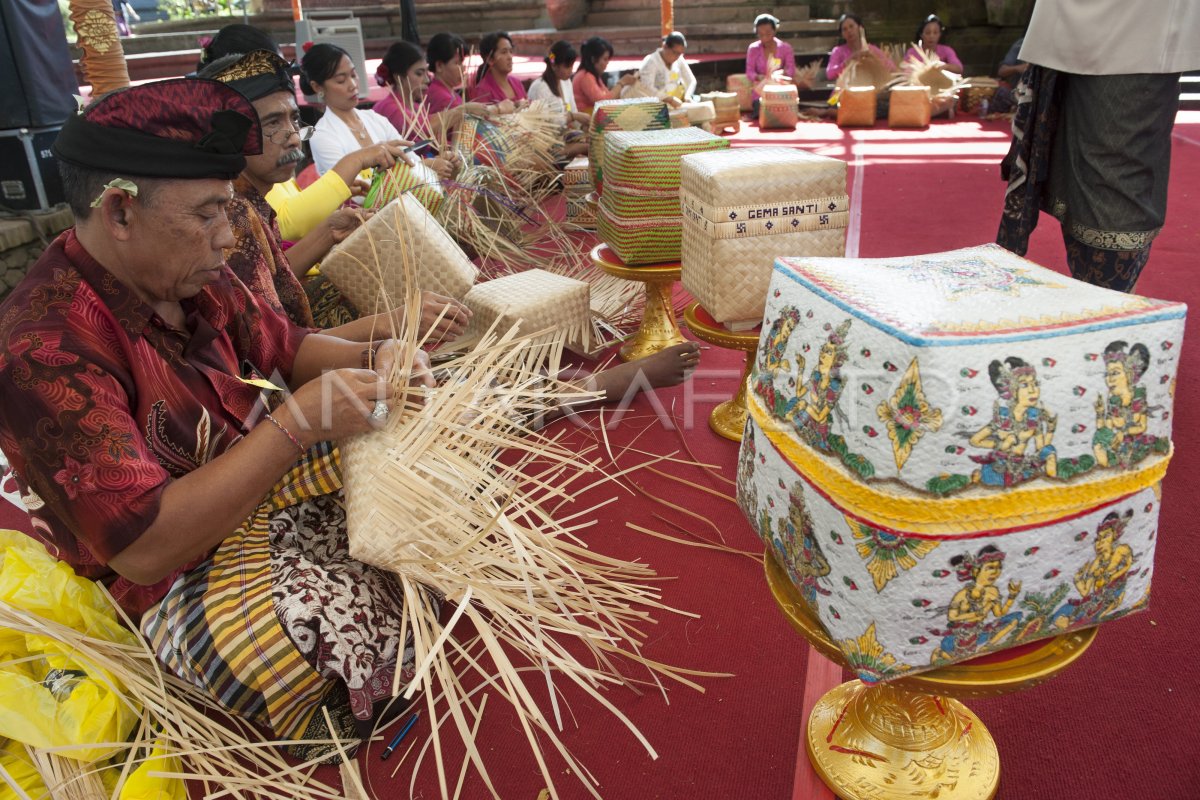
(286,433)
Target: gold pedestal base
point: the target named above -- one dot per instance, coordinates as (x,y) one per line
(729,418)
(871,742)
(907,739)
(658,329)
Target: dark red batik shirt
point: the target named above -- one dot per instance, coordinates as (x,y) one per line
(102,403)
(258,258)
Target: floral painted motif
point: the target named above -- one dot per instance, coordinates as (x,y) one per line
(908,415)
(887,554)
(867,657)
(973,276)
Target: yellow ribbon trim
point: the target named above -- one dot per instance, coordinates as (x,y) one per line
(1022,507)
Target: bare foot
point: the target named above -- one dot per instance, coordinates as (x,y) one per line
(665,368)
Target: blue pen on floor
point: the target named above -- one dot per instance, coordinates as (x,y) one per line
(387,751)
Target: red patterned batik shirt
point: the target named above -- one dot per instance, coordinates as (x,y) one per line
(102,403)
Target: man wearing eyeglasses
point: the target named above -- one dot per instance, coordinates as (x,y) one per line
(258,257)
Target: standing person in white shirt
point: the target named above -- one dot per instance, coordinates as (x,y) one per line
(1092,132)
(665,72)
(554,88)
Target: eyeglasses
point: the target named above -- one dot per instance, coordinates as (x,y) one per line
(279,133)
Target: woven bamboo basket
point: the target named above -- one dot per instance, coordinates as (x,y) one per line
(637,114)
(909,107)
(367,267)
(856,106)
(387,185)
(739,84)
(742,207)
(532,301)
(779,106)
(974,93)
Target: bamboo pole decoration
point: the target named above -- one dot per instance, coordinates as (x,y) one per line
(103,57)
(668,17)
(297,13)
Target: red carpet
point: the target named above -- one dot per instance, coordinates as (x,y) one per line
(1118,725)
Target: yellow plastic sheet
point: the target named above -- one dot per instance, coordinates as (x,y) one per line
(49,695)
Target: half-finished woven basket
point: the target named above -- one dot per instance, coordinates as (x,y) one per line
(371,260)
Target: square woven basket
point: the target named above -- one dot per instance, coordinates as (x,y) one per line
(369,266)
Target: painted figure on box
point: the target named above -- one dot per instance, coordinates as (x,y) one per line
(817,402)
(1122,416)
(817,399)
(969,628)
(801,552)
(1101,581)
(1021,430)
(772,361)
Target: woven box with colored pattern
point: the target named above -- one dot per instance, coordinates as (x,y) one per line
(957,453)
(739,84)
(779,106)
(634,114)
(742,208)
(639,215)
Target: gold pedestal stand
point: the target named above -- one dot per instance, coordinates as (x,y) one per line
(729,418)
(659,329)
(908,738)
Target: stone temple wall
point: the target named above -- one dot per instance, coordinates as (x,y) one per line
(23,238)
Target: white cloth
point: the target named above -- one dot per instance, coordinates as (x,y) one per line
(540,90)
(663,80)
(332,139)
(1114,37)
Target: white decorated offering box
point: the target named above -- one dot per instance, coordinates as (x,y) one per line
(742,207)
(639,215)
(957,453)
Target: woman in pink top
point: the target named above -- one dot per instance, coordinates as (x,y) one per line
(768,55)
(444,56)
(929,37)
(405,73)
(589,84)
(853,38)
(494,81)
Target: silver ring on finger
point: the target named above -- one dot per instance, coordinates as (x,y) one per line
(380,412)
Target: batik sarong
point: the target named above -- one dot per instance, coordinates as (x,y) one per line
(280,620)
(1094,151)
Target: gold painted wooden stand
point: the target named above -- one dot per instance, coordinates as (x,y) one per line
(659,329)
(909,738)
(728,419)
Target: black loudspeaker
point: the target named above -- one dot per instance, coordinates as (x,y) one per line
(37,80)
(29,176)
